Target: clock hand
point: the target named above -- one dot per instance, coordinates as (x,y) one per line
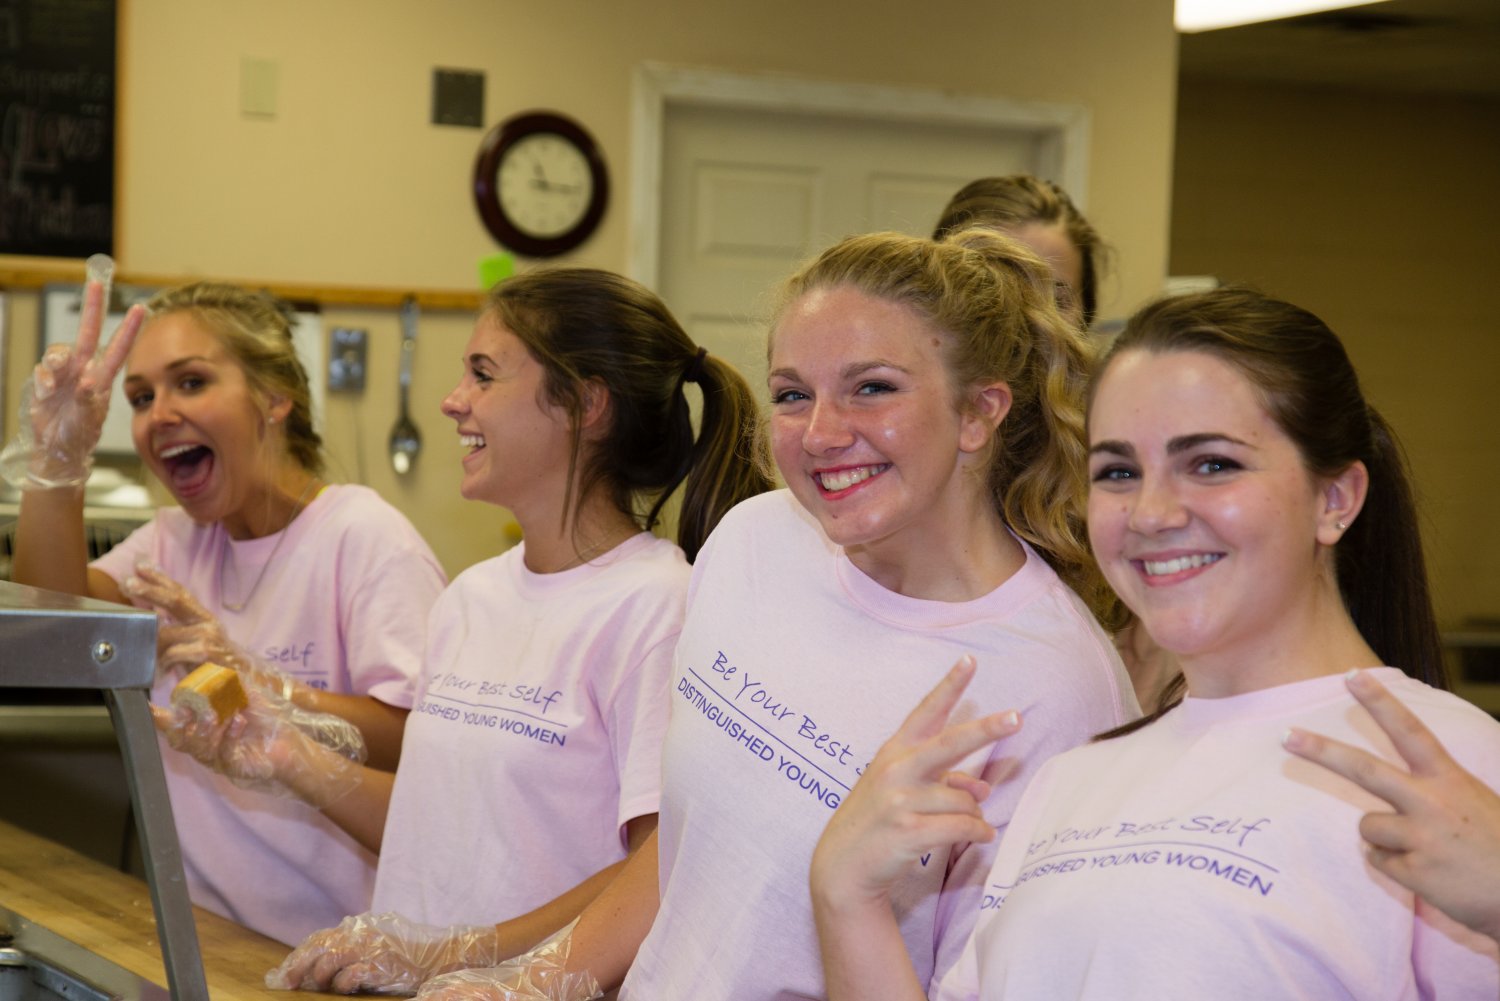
(540,180)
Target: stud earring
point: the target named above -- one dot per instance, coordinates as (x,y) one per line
(1342,527)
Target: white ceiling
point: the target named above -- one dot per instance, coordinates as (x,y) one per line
(1447,47)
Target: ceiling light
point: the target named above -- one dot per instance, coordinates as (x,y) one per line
(1205,15)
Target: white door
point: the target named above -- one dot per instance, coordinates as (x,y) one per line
(748,194)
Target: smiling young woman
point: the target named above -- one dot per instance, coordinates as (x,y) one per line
(1253,510)
(877,443)
(926,416)
(317,592)
(531,764)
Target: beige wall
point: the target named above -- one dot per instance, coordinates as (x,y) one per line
(349,184)
(1379,214)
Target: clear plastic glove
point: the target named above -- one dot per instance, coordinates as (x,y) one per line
(269,746)
(64,403)
(539,975)
(383,954)
(192,636)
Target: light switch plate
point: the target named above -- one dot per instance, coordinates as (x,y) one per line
(346,362)
(259,83)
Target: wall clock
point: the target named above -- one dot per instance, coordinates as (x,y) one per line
(540,183)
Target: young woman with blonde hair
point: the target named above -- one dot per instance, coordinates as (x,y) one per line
(317,592)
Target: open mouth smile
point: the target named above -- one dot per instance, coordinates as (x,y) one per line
(838,480)
(1165,568)
(188,467)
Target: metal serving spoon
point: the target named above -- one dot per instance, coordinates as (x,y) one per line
(406,440)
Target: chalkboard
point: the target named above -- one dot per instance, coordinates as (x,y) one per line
(57,127)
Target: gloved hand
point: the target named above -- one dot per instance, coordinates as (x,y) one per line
(192,635)
(269,746)
(64,404)
(383,954)
(538,975)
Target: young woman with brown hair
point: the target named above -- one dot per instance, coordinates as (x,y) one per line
(1254,511)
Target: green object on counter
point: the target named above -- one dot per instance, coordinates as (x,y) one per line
(495,268)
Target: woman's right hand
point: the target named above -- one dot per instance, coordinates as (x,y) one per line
(270,746)
(383,954)
(909,801)
(66,401)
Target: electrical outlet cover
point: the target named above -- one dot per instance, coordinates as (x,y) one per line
(346,362)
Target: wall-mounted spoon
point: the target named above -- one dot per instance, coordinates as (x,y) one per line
(406,440)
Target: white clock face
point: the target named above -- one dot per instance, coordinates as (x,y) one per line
(544,185)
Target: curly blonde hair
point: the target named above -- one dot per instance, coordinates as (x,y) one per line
(993,297)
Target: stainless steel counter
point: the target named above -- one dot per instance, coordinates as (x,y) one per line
(50,640)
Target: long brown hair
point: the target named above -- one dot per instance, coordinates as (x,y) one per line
(1309,387)
(584,325)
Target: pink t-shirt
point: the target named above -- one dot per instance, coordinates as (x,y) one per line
(537,733)
(1197,858)
(793,668)
(343,607)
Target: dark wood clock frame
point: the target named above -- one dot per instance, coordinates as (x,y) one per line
(492,152)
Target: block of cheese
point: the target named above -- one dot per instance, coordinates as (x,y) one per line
(211,687)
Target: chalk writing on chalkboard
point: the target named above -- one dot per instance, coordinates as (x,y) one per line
(57,127)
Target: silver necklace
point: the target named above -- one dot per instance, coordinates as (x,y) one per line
(223,593)
(597,549)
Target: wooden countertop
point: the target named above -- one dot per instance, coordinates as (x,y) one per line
(109,913)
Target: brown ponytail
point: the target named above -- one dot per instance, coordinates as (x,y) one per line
(585,325)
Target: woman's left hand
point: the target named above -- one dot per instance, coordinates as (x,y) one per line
(1443,839)
(909,801)
(248,746)
(511,981)
(192,635)
(539,975)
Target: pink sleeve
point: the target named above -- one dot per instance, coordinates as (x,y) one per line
(384,625)
(1451,961)
(1058,718)
(956,971)
(637,720)
(119,563)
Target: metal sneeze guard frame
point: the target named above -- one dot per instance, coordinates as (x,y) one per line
(51,640)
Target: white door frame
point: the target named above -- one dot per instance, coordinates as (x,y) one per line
(1062,130)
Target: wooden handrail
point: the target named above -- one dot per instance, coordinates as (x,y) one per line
(36,276)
